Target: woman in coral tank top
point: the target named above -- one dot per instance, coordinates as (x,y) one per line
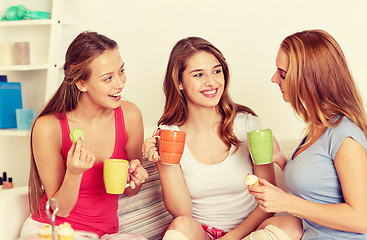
(88,98)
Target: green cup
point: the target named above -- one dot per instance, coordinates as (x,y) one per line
(261,146)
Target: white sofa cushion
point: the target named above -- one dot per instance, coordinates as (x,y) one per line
(14,210)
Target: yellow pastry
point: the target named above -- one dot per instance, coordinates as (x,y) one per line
(65,231)
(45,232)
(252,180)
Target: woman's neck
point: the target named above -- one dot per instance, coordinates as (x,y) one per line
(311,139)
(88,111)
(201,119)
(316,134)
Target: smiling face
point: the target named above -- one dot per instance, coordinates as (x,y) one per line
(106,81)
(203,80)
(282,64)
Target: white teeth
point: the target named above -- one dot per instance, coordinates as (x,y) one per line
(209,92)
(115,95)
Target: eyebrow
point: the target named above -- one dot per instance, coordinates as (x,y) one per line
(122,66)
(282,70)
(199,70)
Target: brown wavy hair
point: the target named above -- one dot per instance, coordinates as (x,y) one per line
(175,109)
(81,52)
(319,83)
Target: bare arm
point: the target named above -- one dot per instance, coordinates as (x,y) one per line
(59,181)
(135,137)
(176,196)
(351,165)
(278,156)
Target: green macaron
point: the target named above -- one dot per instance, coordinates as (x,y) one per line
(75,134)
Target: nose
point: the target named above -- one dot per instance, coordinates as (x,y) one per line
(121,80)
(209,80)
(275,79)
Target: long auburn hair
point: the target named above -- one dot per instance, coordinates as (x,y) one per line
(319,83)
(81,52)
(175,109)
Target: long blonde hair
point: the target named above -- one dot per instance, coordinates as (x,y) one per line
(175,109)
(319,84)
(81,52)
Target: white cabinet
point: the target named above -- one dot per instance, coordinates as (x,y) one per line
(39,79)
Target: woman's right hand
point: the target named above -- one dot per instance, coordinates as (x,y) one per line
(79,159)
(271,199)
(150,150)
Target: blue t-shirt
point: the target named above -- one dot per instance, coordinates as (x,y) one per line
(312,176)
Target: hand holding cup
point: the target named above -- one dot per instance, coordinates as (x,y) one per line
(150,149)
(118,172)
(166,146)
(137,173)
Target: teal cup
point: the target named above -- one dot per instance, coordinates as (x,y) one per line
(261,146)
(24,118)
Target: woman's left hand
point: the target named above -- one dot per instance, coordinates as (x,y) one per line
(278,156)
(270,198)
(137,174)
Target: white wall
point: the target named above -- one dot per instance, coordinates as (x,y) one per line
(247,32)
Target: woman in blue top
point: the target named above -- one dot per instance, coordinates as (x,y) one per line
(327,174)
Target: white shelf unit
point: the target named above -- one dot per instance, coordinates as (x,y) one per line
(39,79)
(44,60)
(14,132)
(29,67)
(25,23)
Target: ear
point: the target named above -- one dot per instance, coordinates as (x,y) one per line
(80,85)
(180,86)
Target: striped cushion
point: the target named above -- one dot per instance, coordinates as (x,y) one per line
(145,213)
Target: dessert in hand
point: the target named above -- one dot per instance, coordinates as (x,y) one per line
(65,231)
(75,134)
(45,232)
(251,180)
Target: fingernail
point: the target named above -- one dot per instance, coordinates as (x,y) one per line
(131,170)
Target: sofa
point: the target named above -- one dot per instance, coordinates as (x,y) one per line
(143,213)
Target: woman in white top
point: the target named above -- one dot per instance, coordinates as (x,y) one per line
(206,193)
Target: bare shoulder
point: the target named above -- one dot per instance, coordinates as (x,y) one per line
(133,120)
(131,111)
(47,127)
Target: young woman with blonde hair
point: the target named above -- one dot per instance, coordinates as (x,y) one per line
(206,193)
(72,173)
(326,175)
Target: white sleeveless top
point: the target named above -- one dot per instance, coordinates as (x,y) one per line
(219,195)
